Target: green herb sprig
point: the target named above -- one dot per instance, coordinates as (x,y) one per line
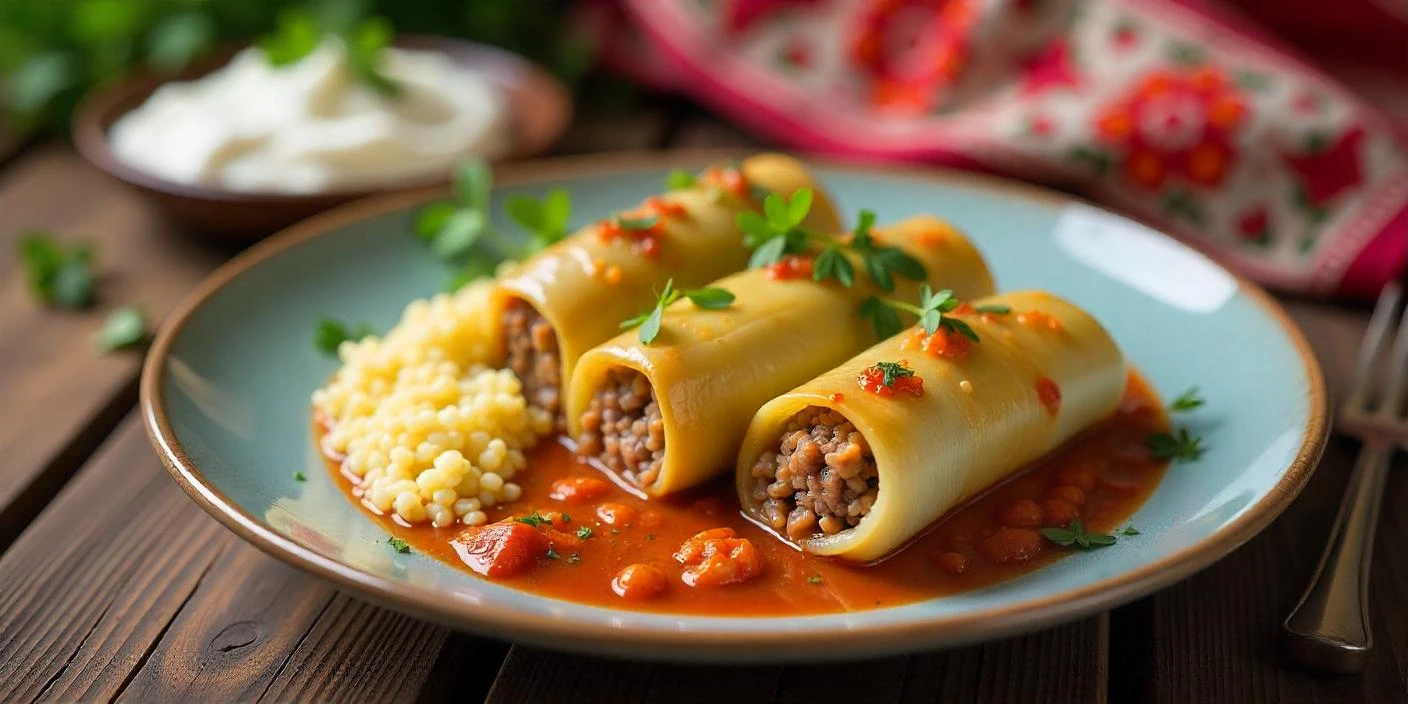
(534,519)
(298,31)
(891,371)
(331,333)
(125,327)
(1179,447)
(778,232)
(884,313)
(56,274)
(399,545)
(1187,401)
(459,232)
(584,532)
(1075,535)
(649,321)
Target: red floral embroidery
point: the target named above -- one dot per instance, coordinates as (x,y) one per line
(739,15)
(1050,68)
(912,49)
(1176,123)
(1255,226)
(1331,171)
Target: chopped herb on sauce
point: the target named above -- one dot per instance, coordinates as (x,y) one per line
(566,518)
(649,321)
(886,378)
(1130,530)
(534,519)
(584,532)
(552,554)
(680,179)
(399,545)
(1182,447)
(300,477)
(1075,535)
(331,333)
(1187,401)
(993,309)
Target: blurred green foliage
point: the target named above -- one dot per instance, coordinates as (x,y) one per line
(51,51)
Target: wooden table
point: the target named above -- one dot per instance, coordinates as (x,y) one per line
(113,585)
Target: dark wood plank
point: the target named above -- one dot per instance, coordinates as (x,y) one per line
(1037,668)
(1216,637)
(235,632)
(96,578)
(61,398)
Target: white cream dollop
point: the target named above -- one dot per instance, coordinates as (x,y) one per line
(312,126)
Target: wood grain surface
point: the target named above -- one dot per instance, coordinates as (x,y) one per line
(98,601)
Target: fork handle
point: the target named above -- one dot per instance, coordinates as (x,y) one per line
(1329,629)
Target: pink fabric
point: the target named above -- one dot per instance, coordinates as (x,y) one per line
(1180,113)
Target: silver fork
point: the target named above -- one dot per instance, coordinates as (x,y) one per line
(1329,629)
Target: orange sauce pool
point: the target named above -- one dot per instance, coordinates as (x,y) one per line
(1109,465)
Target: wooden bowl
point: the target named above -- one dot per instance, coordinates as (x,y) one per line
(539,110)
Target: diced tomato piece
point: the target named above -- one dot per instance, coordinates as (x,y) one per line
(791,267)
(717,557)
(579,490)
(1023,513)
(665,208)
(614,514)
(639,581)
(1049,394)
(501,549)
(873,380)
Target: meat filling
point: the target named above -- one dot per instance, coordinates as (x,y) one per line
(821,479)
(622,428)
(533,355)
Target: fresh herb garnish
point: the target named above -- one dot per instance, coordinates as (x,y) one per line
(56,274)
(930,311)
(892,371)
(399,545)
(778,230)
(297,33)
(679,179)
(1181,447)
(534,519)
(124,327)
(299,477)
(1076,535)
(814,579)
(584,532)
(1130,530)
(993,308)
(565,518)
(649,321)
(459,232)
(1187,401)
(332,333)
(545,219)
(882,263)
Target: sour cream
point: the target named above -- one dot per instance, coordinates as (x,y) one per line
(312,126)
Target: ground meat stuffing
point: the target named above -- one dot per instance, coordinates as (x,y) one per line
(533,355)
(622,428)
(822,478)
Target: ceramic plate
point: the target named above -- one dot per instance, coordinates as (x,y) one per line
(226,386)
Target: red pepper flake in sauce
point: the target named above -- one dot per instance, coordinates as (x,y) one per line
(1049,394)
(1037,319)
(885,379)
(838,397)
(643,231)
(664,208)
(790,267)
(943,343)
(731,180)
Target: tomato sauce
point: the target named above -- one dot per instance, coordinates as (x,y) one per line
(1101,478)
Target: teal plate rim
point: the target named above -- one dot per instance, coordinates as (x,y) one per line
(732,645)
